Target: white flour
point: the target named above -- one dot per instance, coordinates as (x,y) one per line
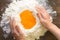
(12,9)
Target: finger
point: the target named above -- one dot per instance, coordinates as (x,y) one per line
(19,30)
(39,13)
(15,33)
(14,23)
(40,16)
(11,23)
(43,12)
(38,10)
(41,19)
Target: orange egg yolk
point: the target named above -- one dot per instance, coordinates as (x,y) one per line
(27,19)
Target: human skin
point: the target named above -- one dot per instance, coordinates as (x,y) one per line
(16,31)
(46,21)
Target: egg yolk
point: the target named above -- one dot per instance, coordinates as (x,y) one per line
(27,19)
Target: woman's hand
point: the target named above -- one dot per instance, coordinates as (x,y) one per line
(17,33)
(46,21)
(43,15)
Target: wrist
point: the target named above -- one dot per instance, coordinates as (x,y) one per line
(47,24)
(54,29)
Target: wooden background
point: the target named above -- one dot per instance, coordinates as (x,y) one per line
(48,36)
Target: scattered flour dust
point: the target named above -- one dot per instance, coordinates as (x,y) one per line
(15,8)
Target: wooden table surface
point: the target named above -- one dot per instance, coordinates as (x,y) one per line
(48,36)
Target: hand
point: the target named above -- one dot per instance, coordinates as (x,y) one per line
(46,21)
(17,33)
(43,15)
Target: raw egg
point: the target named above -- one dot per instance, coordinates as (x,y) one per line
(27,19)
